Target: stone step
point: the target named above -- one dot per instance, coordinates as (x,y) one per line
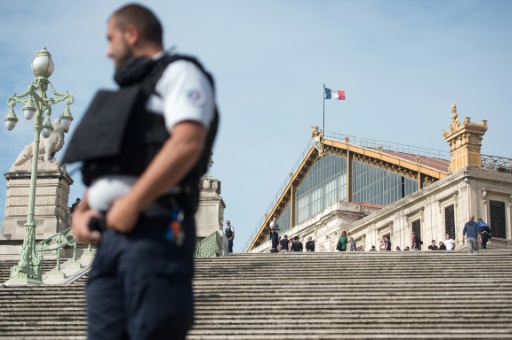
(344,335)
(349,295)
(329,327)
(301,315)
(368,330)
(38,336)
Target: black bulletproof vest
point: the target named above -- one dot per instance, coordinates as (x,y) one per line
(229,232)
(119,136)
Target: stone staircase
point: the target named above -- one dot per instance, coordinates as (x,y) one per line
(357,295)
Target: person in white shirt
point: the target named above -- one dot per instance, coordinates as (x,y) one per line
(449,242)
(274,228)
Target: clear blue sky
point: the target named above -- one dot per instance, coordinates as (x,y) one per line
(401,63)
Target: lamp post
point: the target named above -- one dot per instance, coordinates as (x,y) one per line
(38,106)
(210,160)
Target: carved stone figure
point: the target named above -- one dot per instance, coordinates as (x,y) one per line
(48,147)
(317,135)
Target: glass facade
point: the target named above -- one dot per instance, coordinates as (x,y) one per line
(324,185)
(378,186)
(284,220)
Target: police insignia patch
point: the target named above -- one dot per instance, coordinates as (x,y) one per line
(195,96)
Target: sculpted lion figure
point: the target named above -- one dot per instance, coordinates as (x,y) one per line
(48,147)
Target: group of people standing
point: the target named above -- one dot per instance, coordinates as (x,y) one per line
(344,241)
(475,234)
(283,244)
(447,244)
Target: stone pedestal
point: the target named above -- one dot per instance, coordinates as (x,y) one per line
(51,202)
(210,213)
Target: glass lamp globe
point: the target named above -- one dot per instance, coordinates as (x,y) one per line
(10,120)
(65,123)
(43,65)
(29,109)
(66,118)
(47,127)
(28,112)
(46,132)
(9,124)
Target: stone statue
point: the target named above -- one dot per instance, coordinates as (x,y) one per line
(48,147)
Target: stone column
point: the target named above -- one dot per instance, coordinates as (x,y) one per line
(51,202)
(210,213)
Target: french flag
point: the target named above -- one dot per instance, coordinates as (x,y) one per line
(330,94)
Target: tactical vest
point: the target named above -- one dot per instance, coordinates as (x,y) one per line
(229,232)
(119,136)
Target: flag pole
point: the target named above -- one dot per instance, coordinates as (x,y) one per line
(323,111)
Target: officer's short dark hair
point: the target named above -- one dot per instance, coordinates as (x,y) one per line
(141,17)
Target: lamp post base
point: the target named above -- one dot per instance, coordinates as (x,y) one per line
(28,270)
(22,281)
(20,277)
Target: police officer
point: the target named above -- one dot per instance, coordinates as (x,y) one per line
(143,150)
(230,235)
(274,228)
(484,233)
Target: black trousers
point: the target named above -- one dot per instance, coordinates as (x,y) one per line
(230,246)
(140,285)
(485,239)
(274,240)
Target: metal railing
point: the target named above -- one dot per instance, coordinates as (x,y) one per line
(279,193)
(434,158)
(495,163)
(53,245)
(208,246)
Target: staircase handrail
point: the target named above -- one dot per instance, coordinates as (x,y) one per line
(60,237)
(56,242)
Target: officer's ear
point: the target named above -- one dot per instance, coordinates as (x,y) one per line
(131,35)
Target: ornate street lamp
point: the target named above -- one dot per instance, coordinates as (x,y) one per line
(38,106)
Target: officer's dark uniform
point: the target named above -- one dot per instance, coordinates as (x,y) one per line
(229,234)
(485,233)
(140,285)
(274,236)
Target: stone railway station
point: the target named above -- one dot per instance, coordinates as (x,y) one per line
(372,190)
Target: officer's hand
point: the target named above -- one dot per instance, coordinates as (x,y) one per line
(123,215)
(80,226)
